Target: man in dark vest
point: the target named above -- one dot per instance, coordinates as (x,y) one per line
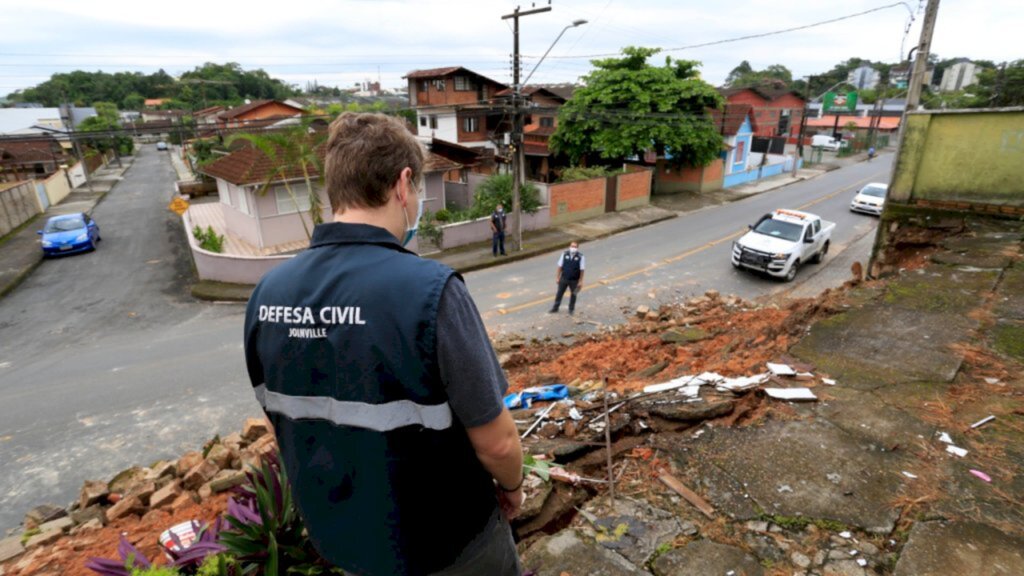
(570,275)
(374,368)
(498,230)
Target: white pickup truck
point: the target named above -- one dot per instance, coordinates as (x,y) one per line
(781,241)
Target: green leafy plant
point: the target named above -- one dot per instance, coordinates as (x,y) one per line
(28,534)
(208,239)
(542,468)
(429,229)
(576,173)
(443,215)
(266,534)
(497,189)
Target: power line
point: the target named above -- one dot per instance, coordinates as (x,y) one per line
(752,36)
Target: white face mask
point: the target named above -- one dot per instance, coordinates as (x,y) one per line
(410,231)
(573,251)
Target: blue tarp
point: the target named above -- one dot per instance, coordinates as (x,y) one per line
(525,398)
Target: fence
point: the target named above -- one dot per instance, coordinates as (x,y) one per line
(18,204)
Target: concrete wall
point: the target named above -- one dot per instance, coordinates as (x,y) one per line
(77,174)
(963,156)
(457,195)
(479,230)
(571,201)
(57,187)
(225,267)
(633,188)
(18,204)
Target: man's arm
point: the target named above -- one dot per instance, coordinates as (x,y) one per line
(583,267)
(475,384)
(558,271)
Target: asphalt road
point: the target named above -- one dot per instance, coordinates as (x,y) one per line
(106,362)
(677,259)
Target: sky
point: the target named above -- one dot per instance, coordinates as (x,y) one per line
(341,43)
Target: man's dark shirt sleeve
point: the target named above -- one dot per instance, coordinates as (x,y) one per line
(469,369)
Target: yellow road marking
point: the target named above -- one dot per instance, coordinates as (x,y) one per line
(669,260)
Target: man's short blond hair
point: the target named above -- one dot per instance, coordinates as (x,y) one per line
(366,154)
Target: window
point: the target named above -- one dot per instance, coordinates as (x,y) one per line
(439,84)
(464,83)
(423,121)
(739,151)
(547,122)
(286,204)
(471,124)
(424,85)
(433,122)
(243,202)
(224,192)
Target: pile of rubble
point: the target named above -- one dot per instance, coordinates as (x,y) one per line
(146,495)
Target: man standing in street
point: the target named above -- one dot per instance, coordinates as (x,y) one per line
(570,275)
(374,368)
(498,230)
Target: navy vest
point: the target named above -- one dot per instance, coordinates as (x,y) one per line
(344,337)
(571,266)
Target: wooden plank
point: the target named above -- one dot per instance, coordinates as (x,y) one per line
(690,496)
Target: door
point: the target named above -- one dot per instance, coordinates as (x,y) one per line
(610,190)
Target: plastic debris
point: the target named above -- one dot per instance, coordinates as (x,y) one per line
(957,451)
(846,535)
(983,421)
(981,475)
(854,552)
(575,414)
(862,562)
(782,489)
(828,381)
(780,369)
(909,475)
(943,437)
(740,384)
(992,380)
(526,397)
(790,393)
(682,381)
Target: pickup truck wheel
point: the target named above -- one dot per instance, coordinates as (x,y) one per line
(792,271)
(820,256)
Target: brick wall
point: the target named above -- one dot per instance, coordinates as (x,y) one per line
(634,188)
(573,201)
(669,179)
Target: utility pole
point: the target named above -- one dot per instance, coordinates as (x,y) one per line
(67,116)
(518,157)
(923,49)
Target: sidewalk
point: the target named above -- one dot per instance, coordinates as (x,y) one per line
(21,251)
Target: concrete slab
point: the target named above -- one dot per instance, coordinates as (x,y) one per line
(1010,295)
(569,552)
(938,289)
(809,470)
(866,416)
(960,549)
(877,345)
(705,557)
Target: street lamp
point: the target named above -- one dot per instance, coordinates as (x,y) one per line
(519,160)
(574,24)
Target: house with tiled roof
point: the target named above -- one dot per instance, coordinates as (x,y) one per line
(542,106)
(458,105)
(265,208)
(257,114)
(777,109)
(29,157)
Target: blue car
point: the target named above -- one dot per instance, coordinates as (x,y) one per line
(69,233)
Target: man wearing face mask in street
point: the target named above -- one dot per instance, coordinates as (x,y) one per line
(374,368)
(569,275)
(498,219)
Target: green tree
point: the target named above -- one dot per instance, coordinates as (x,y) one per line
(107,121)
(497,189)
(1000,87)
(628,106)
(133,101)
(743,75)
(293,153)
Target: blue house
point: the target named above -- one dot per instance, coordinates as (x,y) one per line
(737,125)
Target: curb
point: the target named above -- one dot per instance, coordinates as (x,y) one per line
(25,272)
(211,291)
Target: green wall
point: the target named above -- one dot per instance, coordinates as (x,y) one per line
(975,157)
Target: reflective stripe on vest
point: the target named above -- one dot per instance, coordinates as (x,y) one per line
(377,417)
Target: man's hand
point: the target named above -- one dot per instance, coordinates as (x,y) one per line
(511,502)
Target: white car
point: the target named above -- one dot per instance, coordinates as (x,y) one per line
(782,241)
(870,199)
